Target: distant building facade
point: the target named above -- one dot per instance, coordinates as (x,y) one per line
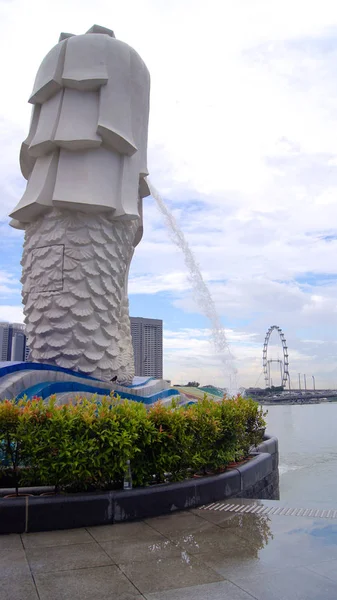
(147,340)
(12,341)
(4,334)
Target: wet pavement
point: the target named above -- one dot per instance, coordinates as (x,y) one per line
(198,554)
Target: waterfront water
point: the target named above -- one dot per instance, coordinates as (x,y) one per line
(307,437)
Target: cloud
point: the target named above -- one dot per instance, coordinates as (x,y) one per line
(189,351)
(8,284)
(187,333)
(152,284)
(11,314)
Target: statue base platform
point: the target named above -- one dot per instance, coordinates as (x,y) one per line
(42,380)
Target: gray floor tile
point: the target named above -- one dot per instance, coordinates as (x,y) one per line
(294,584)
(65,558)
(169,573)
(247,524)
(20,587)
(215,539)
(13,563)
(127,551)
(257,533)
(101,583)
(177,522)
(214,516)
(246,562)
(300,547)
(222,590)
(327,569)
(139,530)
(284,524)
(294,547)
(181,556)
(237,565)
(10,542)
(56,538)
(250,527)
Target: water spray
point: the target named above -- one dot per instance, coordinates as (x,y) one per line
(202,294)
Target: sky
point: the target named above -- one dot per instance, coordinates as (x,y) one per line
(243,149)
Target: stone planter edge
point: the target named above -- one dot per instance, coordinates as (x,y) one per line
(36,513)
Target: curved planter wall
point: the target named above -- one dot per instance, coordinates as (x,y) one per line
(258,478)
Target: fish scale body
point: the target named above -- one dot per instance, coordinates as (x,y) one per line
(74,270)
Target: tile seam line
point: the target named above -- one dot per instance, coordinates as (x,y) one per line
(44,571)
(321,562)
(210,522)
(131,582)
(202,563)
(165,537)
(53,545)
(157,530)
(131,540)
(319,574)
(163,591)
(243,590)
(30,569)
(116,565)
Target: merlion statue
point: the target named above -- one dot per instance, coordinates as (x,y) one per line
(85,164)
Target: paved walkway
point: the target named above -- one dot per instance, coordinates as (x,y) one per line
(192,555)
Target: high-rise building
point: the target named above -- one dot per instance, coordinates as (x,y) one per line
(18,344)
(4,334)
(12,341)
(147,340)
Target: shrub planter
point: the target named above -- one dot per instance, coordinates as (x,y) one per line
(257,478)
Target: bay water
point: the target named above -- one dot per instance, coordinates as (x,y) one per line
(307,435)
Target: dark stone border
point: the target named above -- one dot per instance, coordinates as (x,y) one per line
(36,513)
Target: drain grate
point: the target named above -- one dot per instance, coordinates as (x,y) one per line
(257,509)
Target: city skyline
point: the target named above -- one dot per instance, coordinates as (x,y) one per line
(154,363)
(246,162)
(13,342)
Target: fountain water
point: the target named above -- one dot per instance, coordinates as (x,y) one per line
(202,293)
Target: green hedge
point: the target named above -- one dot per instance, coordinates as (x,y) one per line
(85,446)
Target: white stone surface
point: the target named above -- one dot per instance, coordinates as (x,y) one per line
(14,384)
(91,91)
(74,292)
(85,164)
(152,387)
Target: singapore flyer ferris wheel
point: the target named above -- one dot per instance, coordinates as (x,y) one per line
(283,363)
